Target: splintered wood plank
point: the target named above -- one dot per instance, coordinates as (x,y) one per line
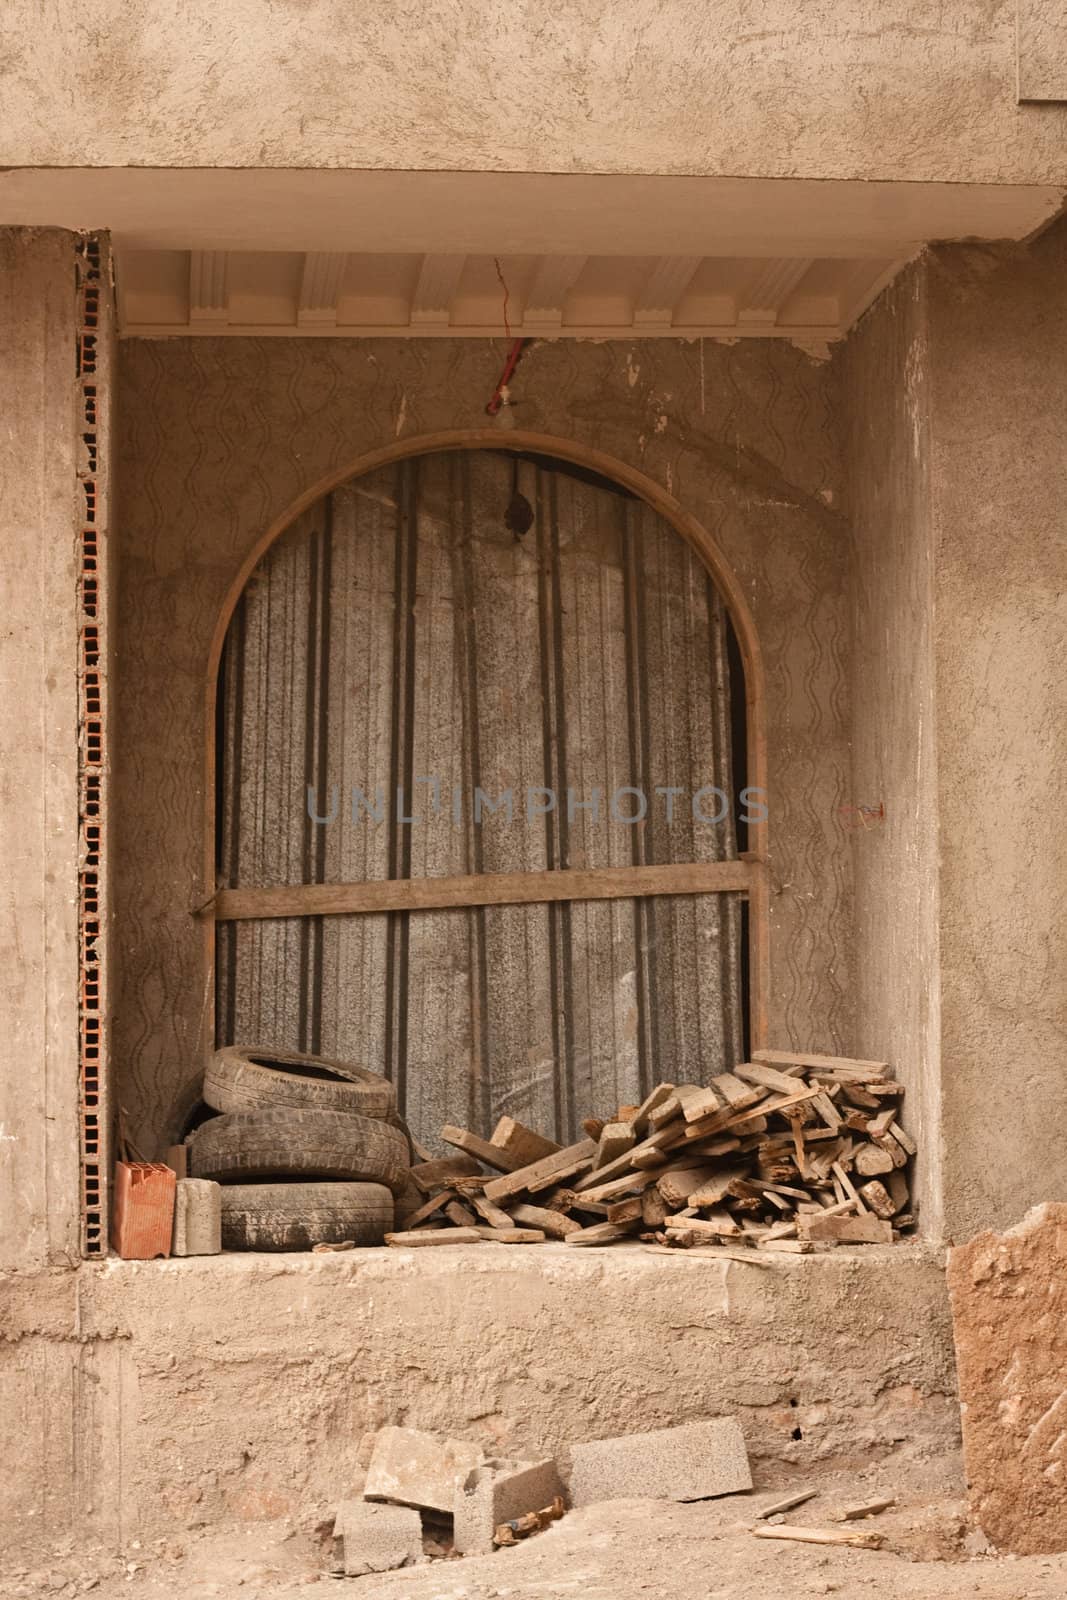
(715,1187)
(552,1223)
(616,1168)
(665,1112)
(511,1235)
(600,1233)
(480,1149)
(678,1186)
(616,1138)
(493,1215)
(661,1093)
(629,1183)
(841,1066)
(859,1541)
(719,1225)
(698,1101)
(738,1094)
(425,1212)
(822,1228)
(542,1174)
(433,1236)
(629,1210)
(428,1176)
(460,1214)
(766,1077)
(789,1503)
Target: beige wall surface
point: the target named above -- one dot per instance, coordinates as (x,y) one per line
(39,1177)
(886,423)
(998,475)
(144,1398)
(893,89)
(219,439)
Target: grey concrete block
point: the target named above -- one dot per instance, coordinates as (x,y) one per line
(414,1468)
(696,1461)
(498,1492)
(377,1538)
(197,1218)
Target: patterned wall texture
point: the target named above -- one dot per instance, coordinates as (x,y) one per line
(218,439)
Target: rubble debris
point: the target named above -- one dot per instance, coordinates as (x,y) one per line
(788,1502)
(413,1468)
(503,1493)
(376,1538)
(695,1461)
(866,1508)
(787,1154)
(197,1218)
(785,1530)
(533,1522)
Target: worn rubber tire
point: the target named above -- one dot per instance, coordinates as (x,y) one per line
(244,1077)
(283,1143)
(295,1216)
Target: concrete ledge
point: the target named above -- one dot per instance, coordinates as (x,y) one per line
(243,1385)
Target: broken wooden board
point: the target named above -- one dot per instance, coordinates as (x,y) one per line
(433,1236)
(600,1233)
(841,1066)
(522,1143)
(615,1140)
(493,1215)
(542,1174)
(859,1541)
(430,1176)
(553,1223)
(490,1155)
(822,1228)
(511,1235)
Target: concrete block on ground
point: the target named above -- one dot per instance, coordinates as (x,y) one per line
(414,1468)
(695,1461)
(376,1538)
(500,1491)
(1009,1314)
(197,1218)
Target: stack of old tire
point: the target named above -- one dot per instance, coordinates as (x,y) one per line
(308,1151)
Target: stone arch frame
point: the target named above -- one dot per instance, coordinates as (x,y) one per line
(658,499)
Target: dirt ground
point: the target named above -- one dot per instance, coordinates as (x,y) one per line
(620,1550)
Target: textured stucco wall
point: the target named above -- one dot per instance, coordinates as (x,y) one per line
(164,1395)
(39,747)
(886,428)
(998,476)
(893,89)
(220,437)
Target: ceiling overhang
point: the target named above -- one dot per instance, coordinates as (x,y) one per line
(415,254)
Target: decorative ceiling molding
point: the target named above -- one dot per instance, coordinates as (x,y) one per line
(320,287)
(208,291)
(666,283)
(436,289)
(286,293)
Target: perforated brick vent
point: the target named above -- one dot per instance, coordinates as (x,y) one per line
(94,300)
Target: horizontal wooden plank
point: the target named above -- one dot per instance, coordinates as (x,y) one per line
(480,889)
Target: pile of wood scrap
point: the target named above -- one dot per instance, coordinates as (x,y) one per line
(789,1152)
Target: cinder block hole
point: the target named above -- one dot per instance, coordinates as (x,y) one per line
(438,1534)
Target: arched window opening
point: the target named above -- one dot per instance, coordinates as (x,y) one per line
(480,809)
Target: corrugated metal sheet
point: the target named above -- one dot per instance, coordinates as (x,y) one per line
(399,632)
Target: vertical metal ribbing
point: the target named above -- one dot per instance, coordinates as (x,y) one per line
(466,651)
(401,770)
(557,834)
(316,776)
(650,1066)
(93,379)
